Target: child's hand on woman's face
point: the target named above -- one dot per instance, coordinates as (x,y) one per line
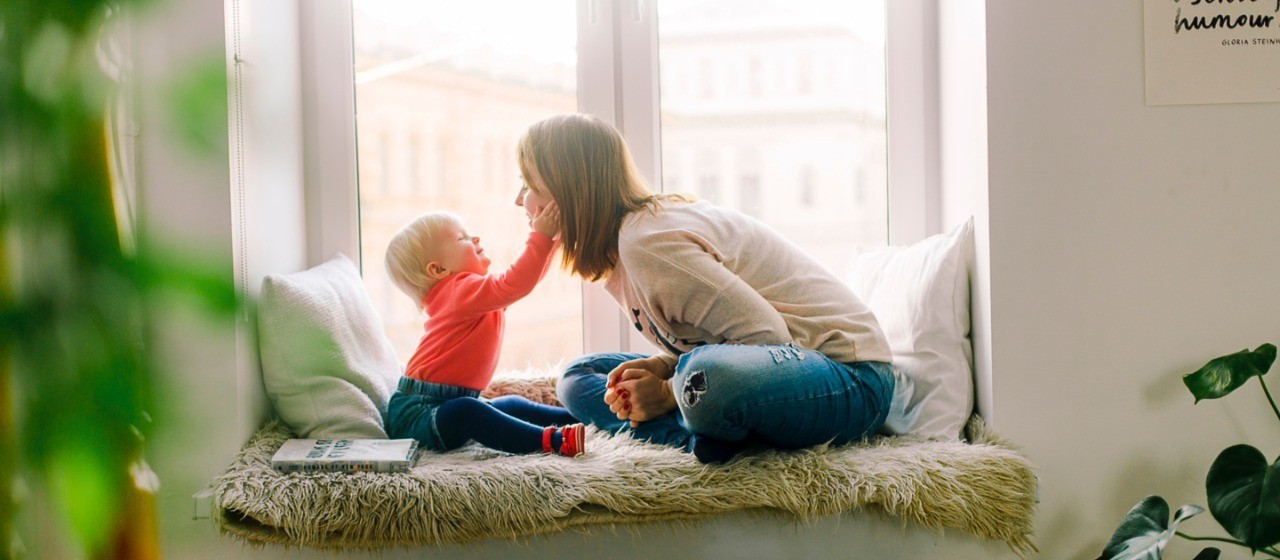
(547,222)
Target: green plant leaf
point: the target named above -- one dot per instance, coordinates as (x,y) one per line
(1222,375)
(1145,530)
(162,268)
(1210,553)
(1244,495)
(87,487)
(198,105)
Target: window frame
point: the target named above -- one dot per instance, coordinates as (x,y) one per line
(616,38)
(912,97)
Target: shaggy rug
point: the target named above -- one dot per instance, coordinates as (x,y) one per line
(984,488)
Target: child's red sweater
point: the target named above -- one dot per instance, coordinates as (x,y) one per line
(466,316)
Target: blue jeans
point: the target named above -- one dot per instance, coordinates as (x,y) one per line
(444,417)
(781,396)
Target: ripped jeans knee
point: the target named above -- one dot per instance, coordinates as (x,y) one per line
(782,395)
(707,391)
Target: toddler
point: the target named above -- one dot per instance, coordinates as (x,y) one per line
(443,268)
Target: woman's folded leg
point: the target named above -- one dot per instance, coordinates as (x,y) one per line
(581,390)
(783,396)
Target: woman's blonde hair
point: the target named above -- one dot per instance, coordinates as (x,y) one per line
(412,248)
(587,168)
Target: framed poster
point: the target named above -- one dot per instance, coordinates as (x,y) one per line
(1212,51)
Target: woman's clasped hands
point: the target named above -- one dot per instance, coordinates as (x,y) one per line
(640,390)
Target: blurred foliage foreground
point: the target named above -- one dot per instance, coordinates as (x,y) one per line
(76,381)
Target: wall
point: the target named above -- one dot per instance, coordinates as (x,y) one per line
(191,200)
(1128,245)
(962,139)
(184,202)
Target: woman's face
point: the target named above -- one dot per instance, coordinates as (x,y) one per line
(529,197)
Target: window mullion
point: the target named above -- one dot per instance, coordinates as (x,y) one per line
(912,94)
(603,326)
(639,110)
(596,60)
(329,131)
(638,76)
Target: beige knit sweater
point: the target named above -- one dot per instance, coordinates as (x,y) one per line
(694,273)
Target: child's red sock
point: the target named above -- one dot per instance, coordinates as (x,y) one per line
(550,439)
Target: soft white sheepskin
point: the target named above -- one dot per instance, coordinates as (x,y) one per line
(984,488)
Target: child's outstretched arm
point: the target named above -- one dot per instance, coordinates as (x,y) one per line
(496,291)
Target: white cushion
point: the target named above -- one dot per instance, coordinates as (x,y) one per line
(920,295)
(326,364)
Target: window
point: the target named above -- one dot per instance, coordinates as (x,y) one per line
(750,196)
(800,138)
(415,155)
(709,177)
(693,84)
(472,75)
(750,202)
(381,152)
(806,187)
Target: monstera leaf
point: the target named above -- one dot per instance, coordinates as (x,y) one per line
(1244,495)
(1221,376)
(1145,530)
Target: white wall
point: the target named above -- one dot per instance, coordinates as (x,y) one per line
(265,158)
(194,201)
(184,201)
(962,139)
(1128,245)
(266,155)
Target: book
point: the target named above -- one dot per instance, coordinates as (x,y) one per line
(344,455)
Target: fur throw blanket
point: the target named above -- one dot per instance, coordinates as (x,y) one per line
(984,488)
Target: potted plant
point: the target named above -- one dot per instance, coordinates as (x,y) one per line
(77,381)
(1242,488)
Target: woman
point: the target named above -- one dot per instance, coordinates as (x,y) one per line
(761,344)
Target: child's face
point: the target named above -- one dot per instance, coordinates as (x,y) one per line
(460,251)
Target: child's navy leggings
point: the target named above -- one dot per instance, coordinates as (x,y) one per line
(511,423)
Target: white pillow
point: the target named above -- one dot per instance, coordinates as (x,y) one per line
(920,295)
(326,364)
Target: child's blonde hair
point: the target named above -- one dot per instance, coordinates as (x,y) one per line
(412,248)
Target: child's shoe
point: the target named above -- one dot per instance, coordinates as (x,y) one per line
(573,440)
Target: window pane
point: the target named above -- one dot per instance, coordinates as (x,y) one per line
(777,109)
(443,91)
